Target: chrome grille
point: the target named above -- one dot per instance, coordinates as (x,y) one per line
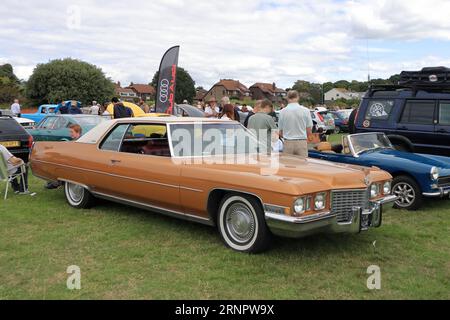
(342,203)
(444,182)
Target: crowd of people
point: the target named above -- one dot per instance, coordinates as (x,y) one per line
(292,133)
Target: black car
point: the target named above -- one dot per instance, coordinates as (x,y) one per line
(14,137)
(415,114)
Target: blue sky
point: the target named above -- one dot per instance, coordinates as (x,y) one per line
(253,41)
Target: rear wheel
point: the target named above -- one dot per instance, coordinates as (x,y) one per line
(242,225)
(77,196)
(408,192)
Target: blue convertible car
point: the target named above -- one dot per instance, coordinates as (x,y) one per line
(415,175)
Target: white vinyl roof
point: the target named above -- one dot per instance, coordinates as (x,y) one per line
(97,133)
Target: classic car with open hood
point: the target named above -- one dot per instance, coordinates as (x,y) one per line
(213,172)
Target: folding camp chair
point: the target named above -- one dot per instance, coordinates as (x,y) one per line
(6,177)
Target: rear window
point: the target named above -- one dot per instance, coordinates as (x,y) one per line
(379,109)
(8,125)
(419,112)
(444,113)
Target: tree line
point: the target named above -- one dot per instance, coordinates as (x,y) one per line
(71,79)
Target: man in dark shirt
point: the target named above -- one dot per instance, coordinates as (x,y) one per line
(120,111)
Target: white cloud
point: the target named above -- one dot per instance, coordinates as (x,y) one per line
(262,40)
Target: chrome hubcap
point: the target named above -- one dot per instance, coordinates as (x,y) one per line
(75,192)
(240,223)
(405,194)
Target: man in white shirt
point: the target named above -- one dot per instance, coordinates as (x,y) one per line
(14,165)
(15,108)
(95,109)
(212,109)
(295,126)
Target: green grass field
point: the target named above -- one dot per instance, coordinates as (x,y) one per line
(126,253)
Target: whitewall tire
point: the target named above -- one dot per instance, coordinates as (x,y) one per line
(242,224)
(77,196)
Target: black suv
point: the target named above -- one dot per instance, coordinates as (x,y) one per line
(14,137)
(415,114)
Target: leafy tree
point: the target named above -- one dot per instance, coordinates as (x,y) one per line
(68,79)
(342,84)
(6,70)
(185,89)
(314,90)
(9,90)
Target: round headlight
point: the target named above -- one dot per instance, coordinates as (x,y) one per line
(387,187)
(299,205)
(374,191)
(434,173)
(319,201)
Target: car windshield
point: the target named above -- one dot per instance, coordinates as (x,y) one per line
(91,121)
(326,115)
(366,142)
(210,139)
(344,114)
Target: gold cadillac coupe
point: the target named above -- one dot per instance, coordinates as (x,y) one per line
(213,172)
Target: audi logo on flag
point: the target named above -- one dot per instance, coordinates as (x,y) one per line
(164,90)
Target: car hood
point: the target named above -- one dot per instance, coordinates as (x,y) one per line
(290,174)
(407,158)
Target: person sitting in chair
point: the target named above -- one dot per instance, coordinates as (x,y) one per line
(15,167)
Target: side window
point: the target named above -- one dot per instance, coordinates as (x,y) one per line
(48,123)
(147,139)
(418,112)
(444,113)
(114,139)
(379,109)
(60,123)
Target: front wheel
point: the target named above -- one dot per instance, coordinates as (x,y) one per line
(77,196)
(408,192)
(337,130)
(242,225)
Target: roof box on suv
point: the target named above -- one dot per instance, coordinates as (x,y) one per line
(427,76)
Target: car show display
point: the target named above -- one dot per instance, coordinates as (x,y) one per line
(149,163)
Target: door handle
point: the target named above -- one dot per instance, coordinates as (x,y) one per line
(442,131)
(115,161)
(402,128)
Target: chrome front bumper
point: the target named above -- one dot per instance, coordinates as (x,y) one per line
(326,222)
(441,193)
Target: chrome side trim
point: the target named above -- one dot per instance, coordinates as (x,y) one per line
(171,213)
(118,176)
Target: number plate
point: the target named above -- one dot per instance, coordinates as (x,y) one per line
(10,144)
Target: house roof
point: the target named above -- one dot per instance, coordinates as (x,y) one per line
(343,90)
(142,88)
(232,85)
(200,94)
(124,90)
(267,87)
